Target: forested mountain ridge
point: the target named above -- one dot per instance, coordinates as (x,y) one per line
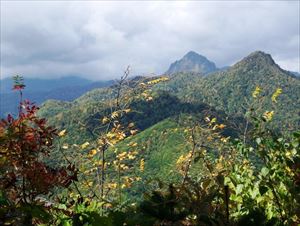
(231,90)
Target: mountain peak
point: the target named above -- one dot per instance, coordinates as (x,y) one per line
(192,62)
(192,54)
(259,52)
(258,57)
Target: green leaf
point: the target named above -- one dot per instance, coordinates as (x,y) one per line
(258,140)
(264,171)
(239,189)
(295,143)
(62,206)
(66,223)
(236,198)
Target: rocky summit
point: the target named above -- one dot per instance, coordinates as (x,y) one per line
(192,62)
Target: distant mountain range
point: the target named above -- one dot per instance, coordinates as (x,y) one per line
(295,73)
(193,77)
(40,90)
(38,84)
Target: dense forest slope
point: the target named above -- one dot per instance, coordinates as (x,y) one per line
(87,124)
(231,90)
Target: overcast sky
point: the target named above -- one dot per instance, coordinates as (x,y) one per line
(99,39)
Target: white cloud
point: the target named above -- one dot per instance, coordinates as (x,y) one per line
(98,39)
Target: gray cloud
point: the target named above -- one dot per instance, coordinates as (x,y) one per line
(98,39)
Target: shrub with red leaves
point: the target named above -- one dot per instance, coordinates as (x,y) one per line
(24,141)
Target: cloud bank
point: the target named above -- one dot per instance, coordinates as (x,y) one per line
(98,39)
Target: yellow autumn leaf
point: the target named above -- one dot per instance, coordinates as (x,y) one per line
(92,152)
(138,178)
(133,144)
(276,94)
(62,133)
(149,99)
(127,110)
(155,81)
(209,138)
(120,135)
(105,120)
(142,165)
(133,131)
(225,139)
(108,205)
(268,115)
(213,120)
(123,167)
(112,185)
(84,145)
(122,155)
(110,135)
(144,94)
(65,146)
(131,157)
(221,126)
(89,184)
(215,127)
(130,125)
(219,166)
(114,115)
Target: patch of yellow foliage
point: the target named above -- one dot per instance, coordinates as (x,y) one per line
(268,115)
(276,94)
(158,80)
(256,92)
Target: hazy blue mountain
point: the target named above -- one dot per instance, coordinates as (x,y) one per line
(297,74)
(224,68)
(192,62)
(38,84)
(40,90)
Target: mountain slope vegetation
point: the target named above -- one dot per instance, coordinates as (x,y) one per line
(231,90)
